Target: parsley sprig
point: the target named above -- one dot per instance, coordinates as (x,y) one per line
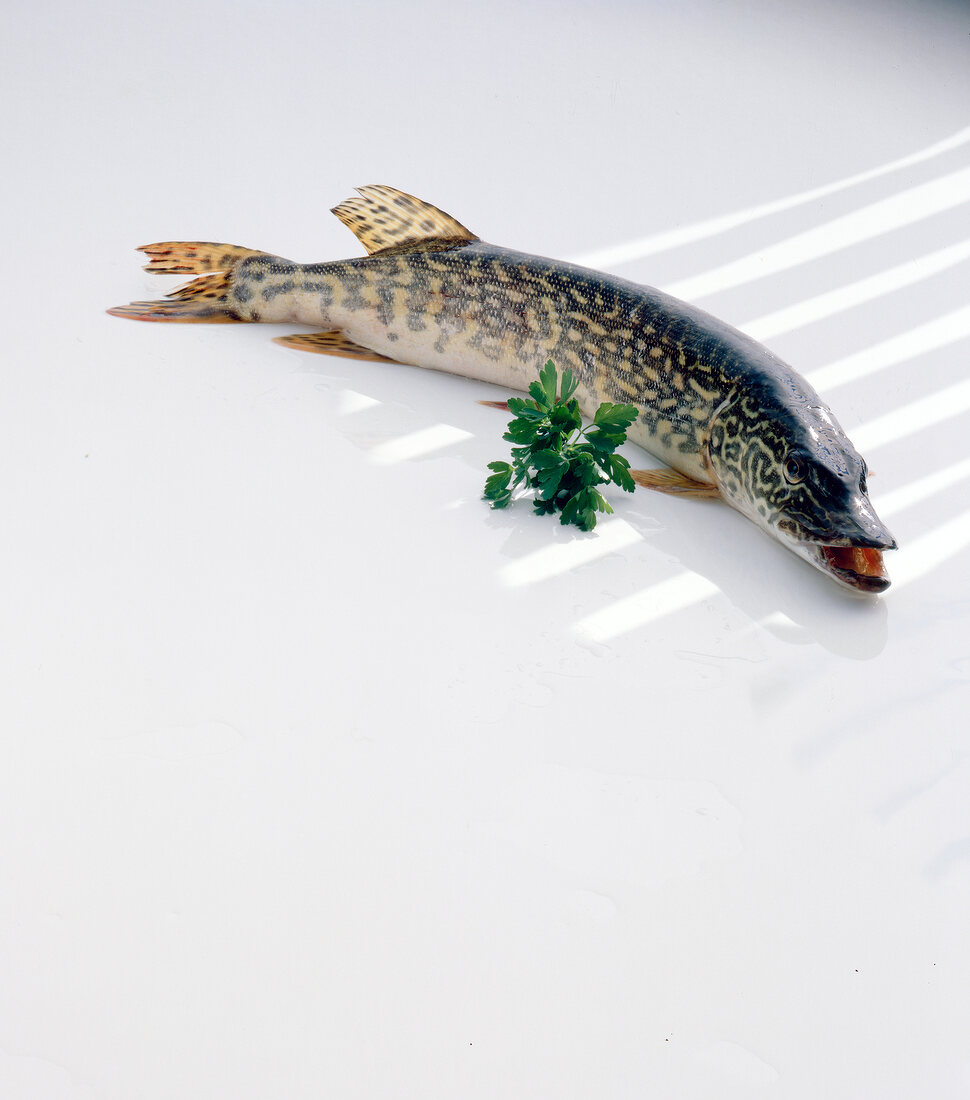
(557,457)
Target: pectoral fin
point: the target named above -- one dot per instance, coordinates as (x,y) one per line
(670,481)
(331,343)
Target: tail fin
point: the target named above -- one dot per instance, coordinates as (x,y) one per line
(193,257)
(204,299)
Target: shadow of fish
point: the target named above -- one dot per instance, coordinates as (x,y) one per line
(727,417)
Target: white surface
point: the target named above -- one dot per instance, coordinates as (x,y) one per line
(321,779)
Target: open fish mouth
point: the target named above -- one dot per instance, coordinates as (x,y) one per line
(853,559)
(858,567)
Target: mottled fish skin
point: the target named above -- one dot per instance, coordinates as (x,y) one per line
(494,314)
(714,404)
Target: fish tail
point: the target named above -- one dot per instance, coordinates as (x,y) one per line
(193,257)
(203,299)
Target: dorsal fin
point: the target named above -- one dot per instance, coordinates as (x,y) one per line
(384,217)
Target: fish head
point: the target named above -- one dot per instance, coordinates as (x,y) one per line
(796,474)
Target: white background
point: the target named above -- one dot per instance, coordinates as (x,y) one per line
(318,778)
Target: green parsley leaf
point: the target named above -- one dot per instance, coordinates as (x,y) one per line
(497,488)
(556,457)
(615,416)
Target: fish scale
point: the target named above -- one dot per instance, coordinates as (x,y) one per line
(496,315)
(722,411)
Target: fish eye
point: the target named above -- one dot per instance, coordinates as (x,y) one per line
(795,468)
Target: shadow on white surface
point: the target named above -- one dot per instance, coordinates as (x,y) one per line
(703,231)
(916,558)
(771,601)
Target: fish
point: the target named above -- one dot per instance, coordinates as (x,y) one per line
(727,417)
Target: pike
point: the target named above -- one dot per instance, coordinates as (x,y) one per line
(728,418)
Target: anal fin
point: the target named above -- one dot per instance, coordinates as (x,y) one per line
(670,481)
(331,343)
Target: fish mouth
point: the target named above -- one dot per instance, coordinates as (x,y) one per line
(859,567)
(849,552)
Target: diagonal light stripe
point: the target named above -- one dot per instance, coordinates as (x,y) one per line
(854,294)
(898,500)
(912,418)
(417,443)
(711,227)
(915,560)
(934,334)
(931,550)
(350,401)
(550,561)
(647,606)
(874,220)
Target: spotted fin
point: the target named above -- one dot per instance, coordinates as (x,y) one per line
(213,312)
(331,343)
(192,257)
(204,299)
(384,218)
(670,481)
(214,287)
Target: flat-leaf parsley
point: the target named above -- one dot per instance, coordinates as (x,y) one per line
(559,459)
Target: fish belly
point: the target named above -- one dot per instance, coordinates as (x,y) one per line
(442,314)
(493,361)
